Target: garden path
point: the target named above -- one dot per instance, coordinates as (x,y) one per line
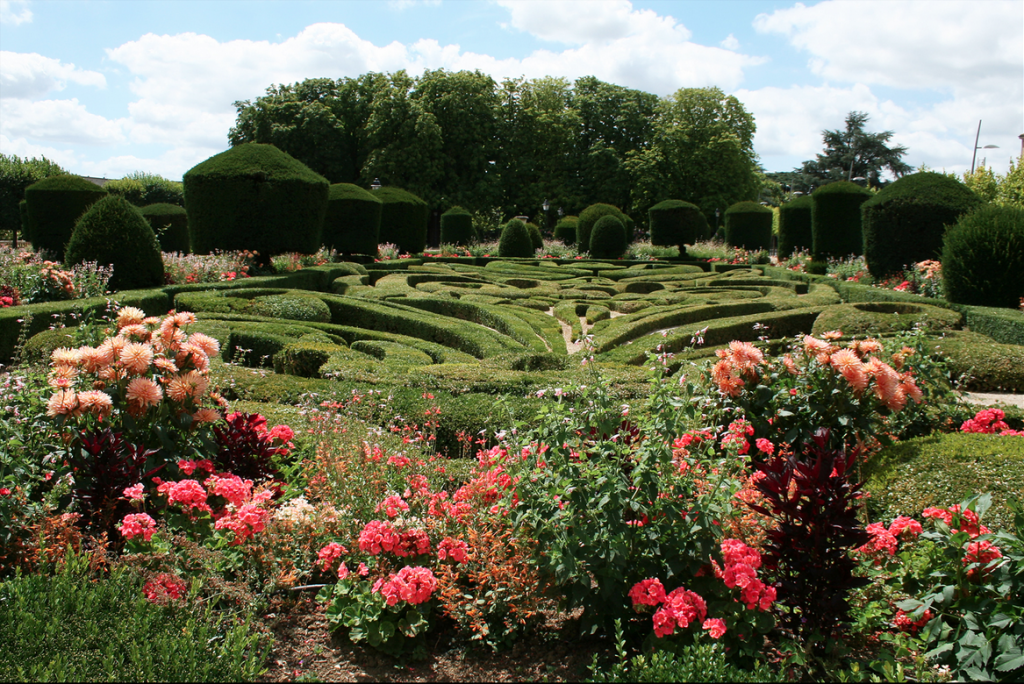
(987,398)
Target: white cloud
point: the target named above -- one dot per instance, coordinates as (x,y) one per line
(401,5)
(21,147)
(579,22)
(31,75)
(15,12)
(730,43)
(57,121)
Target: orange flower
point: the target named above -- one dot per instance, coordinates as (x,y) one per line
(910,388)
(165,364)
(179,389)
(97,403)
(832,335)
(206,415)
(129,315)
(745,356)
(144,393)
(790,365)
(207,344)
(62,403)
(136,357)
(184,318)
(136,330)
(66,357)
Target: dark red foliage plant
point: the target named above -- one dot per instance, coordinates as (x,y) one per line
(813,502)
(244,448)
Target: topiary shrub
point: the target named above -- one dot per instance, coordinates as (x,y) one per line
(515,240)
(113,231)
(795,226)
(835,219)
(352,221)
(904,223)
(403,219)
(535,236)
(983,364)
(255,197)
(457,227)
(875,318)
(608,239)
(589,216)
(676,223)
(748,225)
(170,223)
(565,230)
(983,258)
(54,205)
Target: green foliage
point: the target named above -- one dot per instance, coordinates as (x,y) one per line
(589,217)
(457,227)
(983,258)
(16,174)
(170,223)
(292,307)
(675,222)
(836,221)
(144,189)
(565,230)
(905,223)
(535,237)
(748,225)
(403,219)
(1011,186)
(305,357)
(943,469)
(352,221)
(608,238)
(54,206)
(255,197)
(855,153)
(366,616)
(795,226)
(986,366)
(75,627)
(515,240)
(875,318)
(113,231)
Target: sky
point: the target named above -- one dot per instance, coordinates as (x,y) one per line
(109,87)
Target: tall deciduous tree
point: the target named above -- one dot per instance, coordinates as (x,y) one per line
(854,153)
(16,174)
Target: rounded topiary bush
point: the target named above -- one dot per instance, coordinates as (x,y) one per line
(835,219)
(352,221)
(255,197)
(515,240)
(170,223)
(676,223)
(53,207)
(403,219)
(904,223)
(795,226)
(608,239)
(457,227)
(983,258)
(748,225)
(589,216)
(565,230)
(535,236)
(113,231)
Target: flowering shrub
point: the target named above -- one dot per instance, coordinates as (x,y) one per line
(990,421)
(28,279)
(208,268)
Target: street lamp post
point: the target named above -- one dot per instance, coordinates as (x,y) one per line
(375,185)
(545,207)
(974,156)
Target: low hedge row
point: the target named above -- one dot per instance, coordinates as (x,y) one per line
(875,318)
(988,366)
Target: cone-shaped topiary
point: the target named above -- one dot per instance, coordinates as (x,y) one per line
(795,226)
(352,222)
(515,240)
(608,239)
(457,227)
(565,230)
(904,223)
(535,236)
(589,216)
(748,225)
(255,197)
(170,223)
(54,205)
(676,223)
(983,258)
(835,219)
(113,231)
(403,219)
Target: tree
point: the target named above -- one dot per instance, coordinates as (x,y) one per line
(1011,186)
(856,153)
(16,174)
(701,151)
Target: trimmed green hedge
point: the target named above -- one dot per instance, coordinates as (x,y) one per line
(874,318)
(589,216)
(352,221)
(795,231)
(983,258)
(989,366)
(905,222)
(255,197)
(565,230)
(170,223)
(835,220)
(457,227)
(114,232)
(676,223)
(608,238)
(942,470)
(403,219)
(748,225)
(53,207)
(515,241)
(305,357)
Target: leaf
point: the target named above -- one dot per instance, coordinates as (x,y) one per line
(1008,662)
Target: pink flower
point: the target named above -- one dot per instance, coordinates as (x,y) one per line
(981,553)
(187,493)
(135,524)
(904,524)
(905,624)
(135,492)
(392,505)
(456,549)
(648,592)
(715,627)
(330,554)
(233,488)
(411,584)
(765,446)
(164,588)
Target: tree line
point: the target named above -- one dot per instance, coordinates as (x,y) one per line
(460,138)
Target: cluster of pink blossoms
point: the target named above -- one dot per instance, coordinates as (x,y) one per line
(379,535)
(164,588)
(135,524)
(393,505)
(678,608)
(330,554)
(980,554)
(884,542)
(741,564)
(411,584)
(990,421)
(456,549)
(905,624)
